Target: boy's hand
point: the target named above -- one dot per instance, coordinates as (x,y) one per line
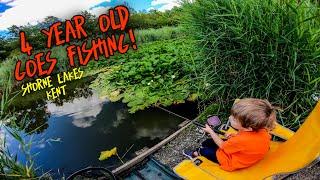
(213,135)
(229,135)
(208,129)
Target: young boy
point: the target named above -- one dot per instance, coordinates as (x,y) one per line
(253,118)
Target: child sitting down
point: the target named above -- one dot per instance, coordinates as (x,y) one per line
(253,118)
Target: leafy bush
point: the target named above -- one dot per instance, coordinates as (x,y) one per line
(142,36)
(62,59)
(154,19)
(157,73)
(257,48)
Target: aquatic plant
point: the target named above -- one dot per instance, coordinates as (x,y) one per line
(157,73)
(10,168)
(142,36)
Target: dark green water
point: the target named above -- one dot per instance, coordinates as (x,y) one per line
(70,133)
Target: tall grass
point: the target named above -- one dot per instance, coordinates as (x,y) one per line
(6,71)
(151,34)
(10,167)
(257,48)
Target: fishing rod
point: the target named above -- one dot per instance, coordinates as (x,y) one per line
(212,121)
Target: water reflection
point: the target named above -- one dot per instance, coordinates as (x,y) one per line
(80,130)
(34,111)
(153,127)
(82,110)
(121,115)
(70,133)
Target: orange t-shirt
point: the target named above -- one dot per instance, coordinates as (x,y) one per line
(243,150)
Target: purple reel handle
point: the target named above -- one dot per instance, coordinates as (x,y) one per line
(213,121)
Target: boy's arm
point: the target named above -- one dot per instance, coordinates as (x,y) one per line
(216,139)
(213,135)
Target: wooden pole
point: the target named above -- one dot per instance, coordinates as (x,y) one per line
(145,154)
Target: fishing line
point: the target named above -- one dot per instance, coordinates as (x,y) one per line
(192,121)
(176,114)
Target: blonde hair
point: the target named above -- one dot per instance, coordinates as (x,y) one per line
(254,113)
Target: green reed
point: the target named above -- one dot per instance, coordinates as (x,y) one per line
(257,48)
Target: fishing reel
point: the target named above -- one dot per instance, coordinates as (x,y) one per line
(212,121)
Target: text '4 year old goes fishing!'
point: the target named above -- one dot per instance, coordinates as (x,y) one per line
(43,64)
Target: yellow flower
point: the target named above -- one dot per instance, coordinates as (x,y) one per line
(106,154)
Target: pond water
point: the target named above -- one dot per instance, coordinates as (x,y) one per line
(69,134)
